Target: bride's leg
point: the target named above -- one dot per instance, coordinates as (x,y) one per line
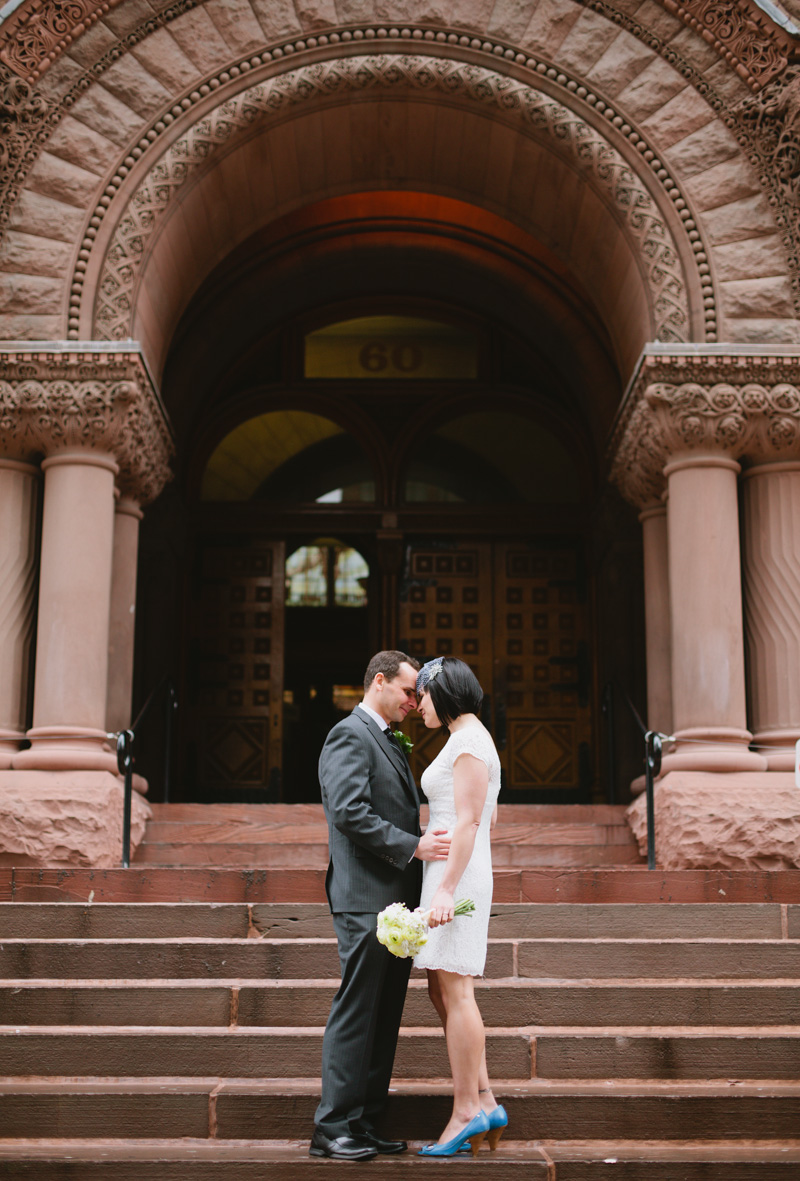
(436,996)
(465,1048)
(488,1101)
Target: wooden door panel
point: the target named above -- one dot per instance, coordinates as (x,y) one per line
(446,610)
(543,716)
(235,690)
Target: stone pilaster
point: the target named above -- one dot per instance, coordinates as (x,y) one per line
(123,614)
(771,511)
(19,497)
(658,628)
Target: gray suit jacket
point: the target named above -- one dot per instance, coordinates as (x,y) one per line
(372,808)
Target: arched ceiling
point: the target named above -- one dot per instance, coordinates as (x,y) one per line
(371,247)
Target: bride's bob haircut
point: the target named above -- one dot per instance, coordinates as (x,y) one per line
(455,691)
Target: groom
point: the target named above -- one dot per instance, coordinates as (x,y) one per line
(376,853)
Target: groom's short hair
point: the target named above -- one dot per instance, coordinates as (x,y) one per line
(387,663)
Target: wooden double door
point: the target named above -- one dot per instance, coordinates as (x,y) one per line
(518,614)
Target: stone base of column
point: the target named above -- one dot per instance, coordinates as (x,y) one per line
(732,821)
(9,747)
(713,749)
(66,748)
(70,818)
(780,759)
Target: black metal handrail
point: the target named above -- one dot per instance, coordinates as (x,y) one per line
(126,744)
(652,761)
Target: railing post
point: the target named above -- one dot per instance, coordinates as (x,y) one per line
(652,766)
(125,764)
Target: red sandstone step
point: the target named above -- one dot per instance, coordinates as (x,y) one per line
(602,1160)
(303,959)
(284,1052)
(258,1109)
(502,1002)
(307,856)
(622,1052)
(156,921)
(622,884)
(244,814)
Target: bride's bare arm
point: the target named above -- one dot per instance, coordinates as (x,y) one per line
(470,785)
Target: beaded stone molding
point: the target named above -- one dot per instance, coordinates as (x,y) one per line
(745,406)
(540,112)
(39,31)
(95,401)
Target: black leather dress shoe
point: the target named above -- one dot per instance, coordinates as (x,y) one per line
(340,1148)
(385,1147)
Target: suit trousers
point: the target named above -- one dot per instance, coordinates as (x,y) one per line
(361,1034)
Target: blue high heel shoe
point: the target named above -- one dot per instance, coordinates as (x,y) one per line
(498,1122)
(474,1132)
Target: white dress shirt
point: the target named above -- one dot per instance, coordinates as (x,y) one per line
(384,725)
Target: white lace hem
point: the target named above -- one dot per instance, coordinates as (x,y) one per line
(456,969)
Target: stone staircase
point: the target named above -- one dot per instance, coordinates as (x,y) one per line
(629,1041)
(291,835)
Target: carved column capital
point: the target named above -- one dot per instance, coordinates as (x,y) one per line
(103,402)
(743,406)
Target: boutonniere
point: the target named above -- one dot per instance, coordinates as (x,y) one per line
(404,742)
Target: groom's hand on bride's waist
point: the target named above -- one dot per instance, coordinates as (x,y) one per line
(434,846)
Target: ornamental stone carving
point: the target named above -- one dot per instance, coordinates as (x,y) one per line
(38,32)
(741,33)
(755,420)
(20,110)
(51,403)
(587,148)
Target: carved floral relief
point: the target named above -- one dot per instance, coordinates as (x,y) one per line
(50,403)
(756,420)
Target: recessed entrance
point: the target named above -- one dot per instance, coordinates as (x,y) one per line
(401,451)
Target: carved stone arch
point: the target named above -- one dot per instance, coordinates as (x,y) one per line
(38,32)
(672,286)
(746,243)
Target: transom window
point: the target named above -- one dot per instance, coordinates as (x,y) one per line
(326,574)
(393,348)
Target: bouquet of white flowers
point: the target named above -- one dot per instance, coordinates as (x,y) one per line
(404,932)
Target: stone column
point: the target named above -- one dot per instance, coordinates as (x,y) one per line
(19,495)
(657,617)
(123,614)
(771,519)
(69,708)
(708,686)
(94,415)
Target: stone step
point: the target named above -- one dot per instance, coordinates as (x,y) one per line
(315,856)
(622,1052)
(157,921)
(209,1160)
(278,835)
(632,884)
(502,1002)
(254,814)
(263,1109)
(312,958)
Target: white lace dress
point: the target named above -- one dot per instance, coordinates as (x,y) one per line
(460,946)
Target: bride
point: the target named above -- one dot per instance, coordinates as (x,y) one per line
(461,784)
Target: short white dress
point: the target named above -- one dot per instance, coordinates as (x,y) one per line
(460,946)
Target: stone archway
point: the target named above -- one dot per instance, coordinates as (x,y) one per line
(696,140)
